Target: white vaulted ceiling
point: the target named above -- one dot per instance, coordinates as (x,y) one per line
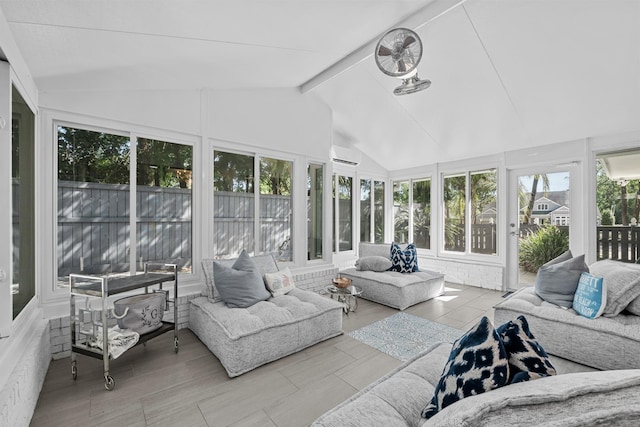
(506,74)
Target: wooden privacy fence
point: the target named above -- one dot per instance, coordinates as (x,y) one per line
(234,225)
(618,243)
(483,239)
(93,226)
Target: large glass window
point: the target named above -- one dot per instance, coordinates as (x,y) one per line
(315,177)
(275,208)
(94,212)
(93,202)
(235,199)
(401,211)
(22,193)
(618,206)
(365,210)
(163,203)
(234,203)
(378,211)
(483,199)
(371,210)
(454,192)
(342,213)
(422,213)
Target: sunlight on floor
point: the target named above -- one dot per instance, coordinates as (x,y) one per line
(446,298)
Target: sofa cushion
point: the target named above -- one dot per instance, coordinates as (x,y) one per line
(623,284)
(609,398)
(634,307)
(396,399)
(477,363)
(591,296)
(395,289)
(279,282)
(527,358)
(603,343)
(243,339)
(240,285)
(373,263)
(557,280)
(404,260)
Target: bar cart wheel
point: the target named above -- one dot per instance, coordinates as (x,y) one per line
(176,344)
(74,370)
(109,382)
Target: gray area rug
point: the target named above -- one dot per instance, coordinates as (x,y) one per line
(404,335)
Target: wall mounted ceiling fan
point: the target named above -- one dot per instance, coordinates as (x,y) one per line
(398,54)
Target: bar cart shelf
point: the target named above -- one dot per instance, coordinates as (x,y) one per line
(84,322)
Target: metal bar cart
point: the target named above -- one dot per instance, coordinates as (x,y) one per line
(85,322)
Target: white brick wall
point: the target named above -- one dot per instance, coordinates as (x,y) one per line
(466,273)
(315,280)
(19,394)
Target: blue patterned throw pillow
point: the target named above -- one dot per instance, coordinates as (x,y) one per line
(404,261)
(527,358)
(477,363)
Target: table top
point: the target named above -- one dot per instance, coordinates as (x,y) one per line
(350,290)
(93,285)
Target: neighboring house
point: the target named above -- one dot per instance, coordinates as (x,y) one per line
(551,208)
(488,215)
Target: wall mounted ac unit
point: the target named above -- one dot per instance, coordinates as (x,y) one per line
(344,155)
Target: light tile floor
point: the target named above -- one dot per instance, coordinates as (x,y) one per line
(156,387)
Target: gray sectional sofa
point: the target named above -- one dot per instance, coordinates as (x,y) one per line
(580,395)
(245,338)
(397,290)
(576,397)
(611,341)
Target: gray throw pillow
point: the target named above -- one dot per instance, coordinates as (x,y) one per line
(623,284)
(557,280)
(634,307)
(373,263)
(240,285)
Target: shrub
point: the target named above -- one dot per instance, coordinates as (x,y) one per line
(541,246)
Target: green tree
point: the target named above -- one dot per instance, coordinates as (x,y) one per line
(275,176)
(232,172)
(88,156)
(534,194)
(615,198)
(483,192)
(163,164)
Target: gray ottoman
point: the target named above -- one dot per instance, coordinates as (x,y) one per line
(397,290)
(245,338)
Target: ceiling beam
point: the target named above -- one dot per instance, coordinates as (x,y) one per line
(433,10)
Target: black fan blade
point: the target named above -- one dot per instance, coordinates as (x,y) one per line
(401,67)
(408,42)
(384,51)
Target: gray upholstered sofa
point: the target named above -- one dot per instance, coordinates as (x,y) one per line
(397,290)
(576,396)
(245,338)
(611,341)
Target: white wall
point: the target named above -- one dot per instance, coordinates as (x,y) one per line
(25,354)
(280,119)
(177,111)
(277,119)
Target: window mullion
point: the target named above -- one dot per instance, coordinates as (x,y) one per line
(133,209)
(257,247)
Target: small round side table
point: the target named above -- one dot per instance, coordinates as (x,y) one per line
(348,296)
